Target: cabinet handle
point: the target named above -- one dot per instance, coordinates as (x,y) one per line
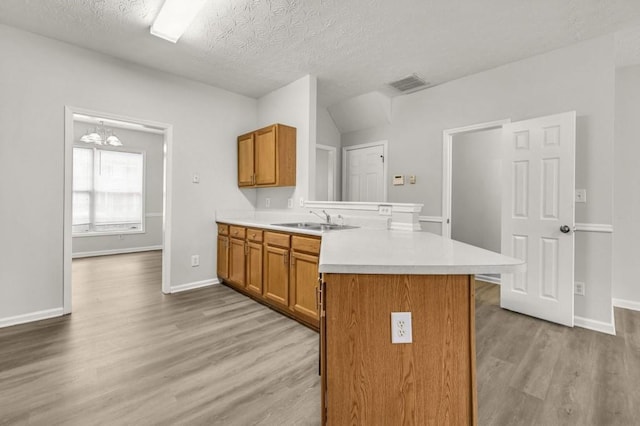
(292,263)
(285,258)
(246,249)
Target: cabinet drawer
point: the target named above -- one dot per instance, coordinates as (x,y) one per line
(275,239)
(223,229)
(254,235)
(306,244)
(237,232)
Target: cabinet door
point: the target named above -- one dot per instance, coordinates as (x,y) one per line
(245,160)
(237,258)
(223,257)
(304,285)
(276,275)
(266,156)
(254,268)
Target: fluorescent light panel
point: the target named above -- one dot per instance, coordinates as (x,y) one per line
(174,18)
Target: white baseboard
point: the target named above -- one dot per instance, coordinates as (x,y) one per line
(626,304)
(602,327)
(194,285)
(115,251)
(488,278)
(30,317)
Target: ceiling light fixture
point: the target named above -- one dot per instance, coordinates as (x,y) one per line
(174,18)
(100,135)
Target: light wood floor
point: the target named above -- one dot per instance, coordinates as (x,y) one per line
(131,355)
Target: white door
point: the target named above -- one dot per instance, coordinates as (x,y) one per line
(364,172)
(538,216)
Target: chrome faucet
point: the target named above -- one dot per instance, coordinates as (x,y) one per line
(327,217)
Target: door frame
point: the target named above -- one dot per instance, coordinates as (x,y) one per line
(333,173)
(385,163)
(447,165)
(167,130)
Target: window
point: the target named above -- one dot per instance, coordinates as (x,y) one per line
(108,191)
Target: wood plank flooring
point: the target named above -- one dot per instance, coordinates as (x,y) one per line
(131,355)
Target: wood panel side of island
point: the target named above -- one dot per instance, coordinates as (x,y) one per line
(368,380)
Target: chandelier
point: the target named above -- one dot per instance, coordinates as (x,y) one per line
(100,135)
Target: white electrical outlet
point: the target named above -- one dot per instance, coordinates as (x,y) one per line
(290,203)
(267,202)
(578,288)
(196,178)
(401,327)
(301,202)
(195,260)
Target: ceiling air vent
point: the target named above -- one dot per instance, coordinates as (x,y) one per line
(409,84)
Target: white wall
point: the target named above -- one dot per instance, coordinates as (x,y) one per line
(152,145)
(328,134)
(626,219)
(476,195)
(293,105)
(579,77)
(38,77)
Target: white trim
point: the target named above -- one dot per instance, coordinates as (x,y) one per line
(434,219)
(626,304)
(194,285)
(167,130)
(489,278)
(590,324)
(404,226)
(385,163)
(363,205)
(333,169)
(594,227)
(30,317)
(447,158)
(115,251)
(158,214)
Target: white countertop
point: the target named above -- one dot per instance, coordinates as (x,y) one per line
(363,251)
(381,251)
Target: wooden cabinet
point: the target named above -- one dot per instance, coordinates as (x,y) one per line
(429,381)
(237,256)
(223,251)
(303,277)
(254,261)
(276,268)
(267,157)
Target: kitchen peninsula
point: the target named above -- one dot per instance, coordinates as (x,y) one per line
(368,274)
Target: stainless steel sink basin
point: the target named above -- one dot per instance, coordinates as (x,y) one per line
(315,226)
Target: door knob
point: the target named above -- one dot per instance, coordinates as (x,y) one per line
(565,229)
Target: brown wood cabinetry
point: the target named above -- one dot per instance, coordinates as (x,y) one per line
(428,381)
(276,268)
(267,157)
(254,261)
(303,277)
(223,251)
(237,256)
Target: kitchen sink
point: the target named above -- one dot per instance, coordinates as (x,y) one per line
(315,226)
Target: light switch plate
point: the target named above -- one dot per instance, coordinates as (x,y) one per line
(196,178)
(581,195)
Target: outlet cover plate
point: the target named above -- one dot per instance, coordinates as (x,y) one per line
(401,331)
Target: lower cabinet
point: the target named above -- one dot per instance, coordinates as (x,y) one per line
(276,268)
(254,262)
(237,256)
(304,278)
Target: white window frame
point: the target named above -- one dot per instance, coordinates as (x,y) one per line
(143,221)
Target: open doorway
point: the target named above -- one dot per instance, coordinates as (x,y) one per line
(472,193)
(116,197)
(326,173)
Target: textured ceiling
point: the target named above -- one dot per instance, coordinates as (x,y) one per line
(353,46)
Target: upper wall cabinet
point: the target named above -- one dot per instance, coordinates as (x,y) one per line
(267,157)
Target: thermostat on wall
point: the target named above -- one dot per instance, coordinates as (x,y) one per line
(398,180)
